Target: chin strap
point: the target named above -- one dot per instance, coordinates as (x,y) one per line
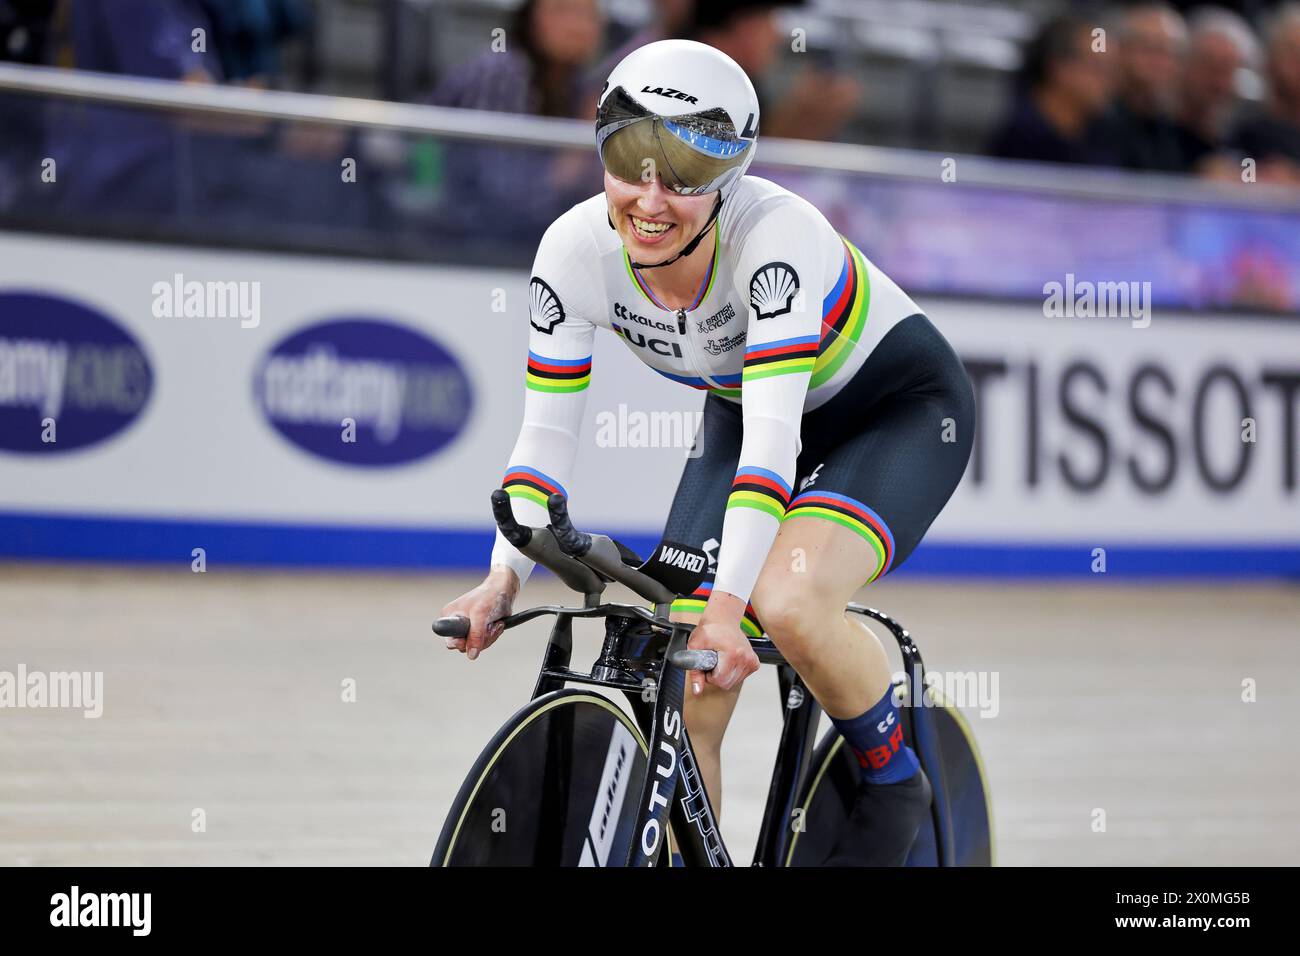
(687,249)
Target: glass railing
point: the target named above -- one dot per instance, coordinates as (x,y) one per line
(125,158)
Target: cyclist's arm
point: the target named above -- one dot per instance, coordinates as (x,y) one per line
(781,250)
(557,376)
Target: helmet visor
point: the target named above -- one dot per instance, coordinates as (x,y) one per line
(693,154)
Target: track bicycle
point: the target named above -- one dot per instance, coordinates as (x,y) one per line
(571,779)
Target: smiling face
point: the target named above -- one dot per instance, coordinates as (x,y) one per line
(653,222)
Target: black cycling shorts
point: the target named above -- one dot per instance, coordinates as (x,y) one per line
(882,457)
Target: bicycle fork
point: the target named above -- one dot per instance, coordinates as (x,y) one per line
(674,790)
(688,808)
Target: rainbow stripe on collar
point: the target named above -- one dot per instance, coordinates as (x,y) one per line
(702,293)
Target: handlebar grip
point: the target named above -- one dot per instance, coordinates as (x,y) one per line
(511,530)
(695,660)
(457,626)
(572,542)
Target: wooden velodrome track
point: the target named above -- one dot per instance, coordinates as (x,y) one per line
(222,691)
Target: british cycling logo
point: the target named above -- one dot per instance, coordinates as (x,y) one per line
(717,320)
(75,908)
(544,309)
(69,375)
(772,289)
(362,391)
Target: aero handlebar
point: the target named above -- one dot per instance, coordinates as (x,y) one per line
(686,659)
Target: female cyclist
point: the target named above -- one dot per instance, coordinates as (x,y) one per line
(837,423)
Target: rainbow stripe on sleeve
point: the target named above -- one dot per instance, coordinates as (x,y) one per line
(524,482)
(760,489)
(844,315)
(782,357)
(558,375)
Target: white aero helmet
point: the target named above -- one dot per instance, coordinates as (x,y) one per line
(682,110)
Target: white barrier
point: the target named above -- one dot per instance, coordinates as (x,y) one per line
(194,396)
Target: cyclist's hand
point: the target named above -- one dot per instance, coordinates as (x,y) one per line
(485,606)
(736,659)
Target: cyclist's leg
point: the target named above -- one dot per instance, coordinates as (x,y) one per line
(869,493)
(874,495)
(814,569)
(696,519)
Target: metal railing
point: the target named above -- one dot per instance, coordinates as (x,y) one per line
(516,129)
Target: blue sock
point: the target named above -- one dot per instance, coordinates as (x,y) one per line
(677,860)
(876,739)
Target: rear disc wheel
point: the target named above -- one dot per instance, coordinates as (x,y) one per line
(832,783)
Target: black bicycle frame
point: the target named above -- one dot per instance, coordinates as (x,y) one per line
(636,659)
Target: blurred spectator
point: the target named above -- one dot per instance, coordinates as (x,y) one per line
(136,37)
(24,27)
(541,71)
(516,191)
(672,18)
(1247,11)
(1220,45)
(1063,89)
(247,35)
(1272,138)
(1152,39)
(151,170)
(820,101)
(125,160)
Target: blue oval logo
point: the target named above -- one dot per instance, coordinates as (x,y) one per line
(363,392)
(69,376)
